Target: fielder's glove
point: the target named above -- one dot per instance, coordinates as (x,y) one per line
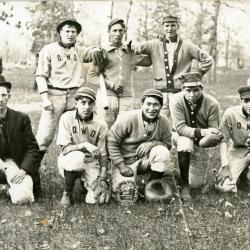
(101,188)
(211,140)
(99,57)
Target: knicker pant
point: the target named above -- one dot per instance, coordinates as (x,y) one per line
(62,101)
(89,168)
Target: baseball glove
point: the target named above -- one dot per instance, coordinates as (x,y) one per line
(101,188)
(158,190)
(211,140)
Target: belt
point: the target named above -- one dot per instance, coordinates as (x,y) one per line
(62,89)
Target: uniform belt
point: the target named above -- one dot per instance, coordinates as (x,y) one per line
(62,89)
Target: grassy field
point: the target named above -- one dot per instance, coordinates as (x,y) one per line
(216,221)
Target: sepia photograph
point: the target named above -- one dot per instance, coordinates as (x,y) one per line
(125,124)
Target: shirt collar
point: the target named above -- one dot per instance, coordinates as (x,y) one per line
(244,113)
(79,118)
(112,47)
(144,118)
(198,103)
(64,46)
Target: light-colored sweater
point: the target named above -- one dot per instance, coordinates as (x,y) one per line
(128,133)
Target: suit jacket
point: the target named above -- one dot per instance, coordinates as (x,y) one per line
(23,145)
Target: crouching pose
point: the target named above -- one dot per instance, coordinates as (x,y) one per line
(19,153)
(83,139)
(235,160)
(138,142)
(195,118)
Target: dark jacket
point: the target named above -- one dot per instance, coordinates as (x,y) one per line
(24,149)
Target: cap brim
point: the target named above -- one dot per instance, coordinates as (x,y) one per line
(191,84)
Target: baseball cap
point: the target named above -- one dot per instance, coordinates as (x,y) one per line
(115,21)
(87,92)
(152,92)
(169,19)
(70,22)
(4,83)
(244,92)
(191,79)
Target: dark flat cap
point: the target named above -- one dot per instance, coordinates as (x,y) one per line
(115,21)
(87,92)
(152,92)
(191,79)
(244,92)
(70,22)
(169,19)
(4,83)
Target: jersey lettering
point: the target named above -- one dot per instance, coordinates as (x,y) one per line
(93,132)
(238,125)
(68,57)
(74,58)
(59,58)
(74,129)
(84,130)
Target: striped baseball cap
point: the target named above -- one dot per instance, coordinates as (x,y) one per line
(244,92)
(152,92)
(86,92)
(191,79)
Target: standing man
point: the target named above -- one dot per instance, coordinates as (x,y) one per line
(195,116)
(235,160)
(82,137)
(19,152)
(172,57)
(117,70)
(59,74)
(139,142)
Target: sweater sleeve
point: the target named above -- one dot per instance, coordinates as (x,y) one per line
(213,119)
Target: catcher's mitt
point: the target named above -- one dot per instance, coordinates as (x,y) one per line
(211,140)
(158,190)
(126,193)
(101,188)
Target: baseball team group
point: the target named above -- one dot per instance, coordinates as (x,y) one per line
(125,152)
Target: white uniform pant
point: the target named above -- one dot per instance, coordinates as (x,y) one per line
(159,160)
(62,101)
(117,106)
(238,161)
(76,161)
(198,168)
(165,110)
(21,193)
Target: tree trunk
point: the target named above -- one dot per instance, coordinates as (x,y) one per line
(127,18)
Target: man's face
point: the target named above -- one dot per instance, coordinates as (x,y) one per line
(4,97)
(85,107)
(116,33)
(68,34)
(170,29)
(151,107)
(245,102)
(192,94)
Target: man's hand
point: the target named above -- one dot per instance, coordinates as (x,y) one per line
(18,178)
(99,56)
(247,143)
(209,131)
(47,104)
(92,149)
(118,88)
(144,148)
(135,46)
(223,174)
(125,170)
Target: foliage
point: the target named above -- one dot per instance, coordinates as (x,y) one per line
(45,16)
(6,12)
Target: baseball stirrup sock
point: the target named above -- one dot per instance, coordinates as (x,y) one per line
(183,162)
(70,178)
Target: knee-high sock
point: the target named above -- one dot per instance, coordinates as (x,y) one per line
(70,178)
(155,175)
(184,161)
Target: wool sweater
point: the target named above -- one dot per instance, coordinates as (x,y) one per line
(128,133)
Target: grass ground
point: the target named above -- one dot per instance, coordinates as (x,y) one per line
(216,221)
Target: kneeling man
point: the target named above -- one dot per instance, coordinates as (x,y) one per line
(235,159)
(19,153)
(138,142)
(195,115)
(82,137)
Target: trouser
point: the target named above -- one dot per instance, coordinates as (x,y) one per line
(158,160)
(62,101)
(238,161)
(165,110)
(76,163)
(21,193)
(192,161)
(117,106)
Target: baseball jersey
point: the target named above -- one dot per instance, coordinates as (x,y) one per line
(73,130)
(118,69)
(185,120)
(62,67)
(235,125)
(129,132)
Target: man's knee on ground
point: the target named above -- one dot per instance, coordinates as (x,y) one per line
(183,143)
